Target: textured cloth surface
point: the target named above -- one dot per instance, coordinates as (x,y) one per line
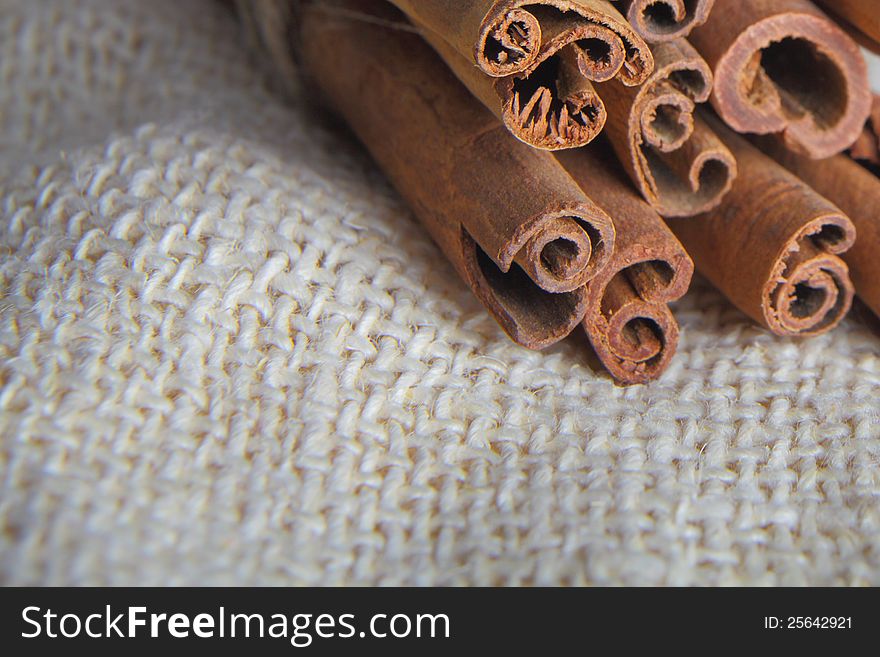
(229,355)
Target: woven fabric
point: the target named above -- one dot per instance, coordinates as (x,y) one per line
(229,355)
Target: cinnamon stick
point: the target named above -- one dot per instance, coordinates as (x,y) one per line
(867,147)
(550,107)
(857,192)
(782,66)
(517,228)
(675,160)
(658,21)
(536,61)
(862,15)
(773,246)
(505,37)
(628,320)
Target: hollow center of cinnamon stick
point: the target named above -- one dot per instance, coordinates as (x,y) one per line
(829,237)
(714,175)
(597,50)
(650,278)
(561,258)
(643,338)
(660,17)
(667,124)
(806,80)
(807,301)
(531,93)
(510,46)
(548,102)
(690,82)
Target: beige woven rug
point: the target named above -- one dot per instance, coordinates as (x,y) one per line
(228,355)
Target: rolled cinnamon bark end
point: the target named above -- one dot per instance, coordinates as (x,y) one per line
(812,291)
(500,37)
(553,106)
(609,44)
(550,107)
(606,45)
(659,21)
(509,218)
(627,319)
(675,160)
(547,99)
(782,66)
(531,316)
(773,246)
(509,37)
(564,249)
(857,192)
(509,41)
(635,339)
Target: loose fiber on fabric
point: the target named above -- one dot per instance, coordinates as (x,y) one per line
(229,355)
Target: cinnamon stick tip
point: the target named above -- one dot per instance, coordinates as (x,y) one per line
(812,292)
(661,21)
(509,42)
(564,249)
(642,344)
(797,74)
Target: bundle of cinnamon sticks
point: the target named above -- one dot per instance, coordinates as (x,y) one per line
(575,159)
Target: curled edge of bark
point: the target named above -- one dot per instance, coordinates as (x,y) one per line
(765,84)
(774,246)
(810,292)
(856,191)
(513,37)
(562,249)
(628,320)
(550,107)
(659,21)
(531,316)
(679,165)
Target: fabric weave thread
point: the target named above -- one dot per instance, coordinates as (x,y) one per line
(228,355)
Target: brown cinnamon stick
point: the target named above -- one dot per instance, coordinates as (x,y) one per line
(867,147)
(658,21)
(505,37)
(628,319)
(857,192)
(782,66)
(678,164)
(863,15)
(553,107)
(772,246)
(536,61)
(518,229)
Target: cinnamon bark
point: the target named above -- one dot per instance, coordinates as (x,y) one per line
(536,61)
(552,107)
(773,246)
(658,21)
(519,231)
(857,192)
(862,15)
(505,37)
(628,319)
(782,66)
(678,164)
(867,147)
